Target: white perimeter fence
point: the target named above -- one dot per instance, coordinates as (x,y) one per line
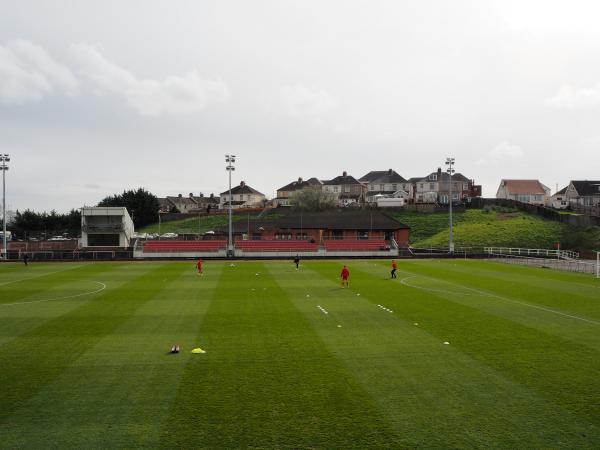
(569,265)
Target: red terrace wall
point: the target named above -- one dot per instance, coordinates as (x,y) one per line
(401,237)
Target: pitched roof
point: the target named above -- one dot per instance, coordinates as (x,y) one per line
(342,179)
(206,199)
(444,176)
(180,200)
(300,184)
(585,187)
(524,186)
(329,220)
(382,176)
(242,188)
(562,191)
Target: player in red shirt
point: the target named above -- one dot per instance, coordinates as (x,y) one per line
(345,274)
(199,266)
(394,268)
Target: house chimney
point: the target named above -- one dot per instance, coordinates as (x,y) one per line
(299,180)
(180,195)
(191,194)
(344,173)
(390,171)
(212,195)
(242,183)
(439,173)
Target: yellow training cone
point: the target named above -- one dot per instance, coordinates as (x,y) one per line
(198,350)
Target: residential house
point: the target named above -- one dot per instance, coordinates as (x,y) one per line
(347,189)
(285,193)
(583,193)
(526,191)
(206,203)
(435,188)
(559,200)
(182,204)
(386,184)
(242,196)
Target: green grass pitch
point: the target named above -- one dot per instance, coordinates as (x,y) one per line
(451,354)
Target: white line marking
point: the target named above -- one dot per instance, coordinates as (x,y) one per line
(38,276)
(103,286)
(489,294)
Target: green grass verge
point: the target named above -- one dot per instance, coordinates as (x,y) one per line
(293,360)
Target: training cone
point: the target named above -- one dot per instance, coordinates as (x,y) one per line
(198,350)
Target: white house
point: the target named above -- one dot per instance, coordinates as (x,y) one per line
(242,196)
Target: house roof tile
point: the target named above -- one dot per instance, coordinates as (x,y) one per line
(524,187)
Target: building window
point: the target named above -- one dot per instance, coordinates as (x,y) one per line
(382,187)
(433,177)
(335,189)
(346,188)
(394,187)
(302,237)
(432,186)
(420,185)
(283,236)
(361,234)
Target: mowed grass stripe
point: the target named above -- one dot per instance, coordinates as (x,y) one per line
(125,383)
(556,312)
(571,293)
(39,356)
(28,312)
(267,380)
(435,395)
(563,372)
(32,282)
(11,273)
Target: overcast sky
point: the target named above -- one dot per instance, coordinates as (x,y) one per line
(98,97)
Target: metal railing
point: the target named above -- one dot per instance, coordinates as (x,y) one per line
(569,265)
(537,252)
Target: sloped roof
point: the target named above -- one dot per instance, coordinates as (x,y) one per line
(180,200)
(562,191)
(206,199)
(329,220)
(443,176)
(383,176)
(242,188)
(585,187)
(300,184)
(524,187)
(342,179)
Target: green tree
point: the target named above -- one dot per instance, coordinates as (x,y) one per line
(313,199)
(142,205)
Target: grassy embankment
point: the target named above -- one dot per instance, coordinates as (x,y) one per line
(478,227)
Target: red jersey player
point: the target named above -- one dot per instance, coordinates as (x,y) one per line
(345,274)
(199,266)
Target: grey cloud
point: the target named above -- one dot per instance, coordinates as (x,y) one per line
(28,73)
(176,94)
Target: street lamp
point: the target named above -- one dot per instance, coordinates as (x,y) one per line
(4,167)
(230,159)
(450,170)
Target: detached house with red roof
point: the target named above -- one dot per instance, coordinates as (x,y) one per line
(526,191)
